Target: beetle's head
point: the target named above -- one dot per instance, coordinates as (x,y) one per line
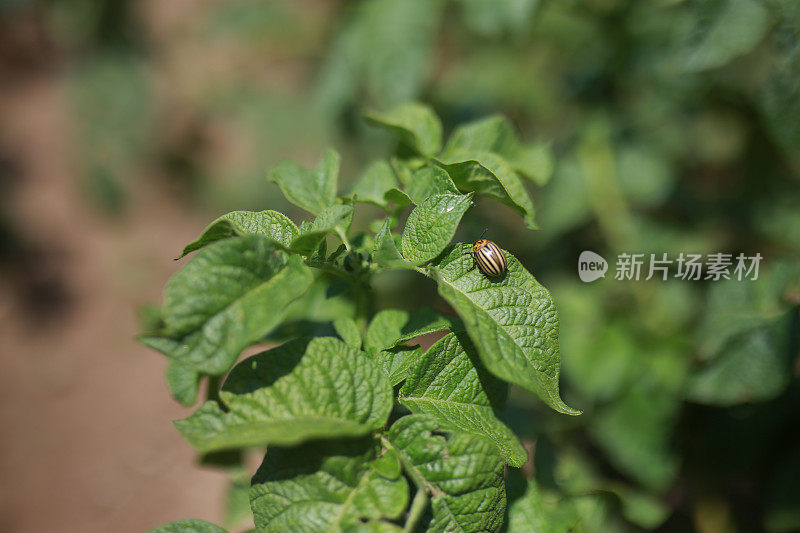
(480,243)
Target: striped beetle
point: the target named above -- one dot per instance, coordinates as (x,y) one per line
(488,257)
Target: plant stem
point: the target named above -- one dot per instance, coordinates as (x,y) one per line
(420,502)
(417,508)
(330,269)
(361,296)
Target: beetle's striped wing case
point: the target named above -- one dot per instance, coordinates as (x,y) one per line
(489,258)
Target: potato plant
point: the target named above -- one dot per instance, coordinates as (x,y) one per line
(365,431)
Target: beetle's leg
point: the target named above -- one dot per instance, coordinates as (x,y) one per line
(474,263)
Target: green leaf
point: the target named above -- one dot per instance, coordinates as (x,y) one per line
(490,174)
(298,391)
(347,329)
(391,327)
(493,18)
(576,474)
(398,197)
(720,30)
(183,382)
(566,199)
(463,473)
(431,225)
(237,498)
(388,465)
(324,486)
(110,89)
(333,218)
(373,185)
(384,329)
(312,189)
(496,134)
(640,507)
(754,365)
(512,321)
(374,526)
(189,526)
(428,181)
(450,384)
(268,223)
(230,295)
(385,252)
(540,510)
(645,175)
(324,302)
(383,50)
(397,362)
(635,433)
(733,307)
(778,94)
(404,168)
(414,124)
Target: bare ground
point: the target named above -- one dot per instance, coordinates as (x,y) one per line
(86,443)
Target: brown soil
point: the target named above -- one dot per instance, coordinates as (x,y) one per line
(86,444)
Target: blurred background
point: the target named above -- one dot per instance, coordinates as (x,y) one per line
(126,126)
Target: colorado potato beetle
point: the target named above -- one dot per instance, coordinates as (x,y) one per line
(488,257)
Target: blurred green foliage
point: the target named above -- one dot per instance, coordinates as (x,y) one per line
(675,126)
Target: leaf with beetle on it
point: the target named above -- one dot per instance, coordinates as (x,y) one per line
(272,224)
(431,225)
(312,189)
(227,297)
(327,486)
(332,411)
(462,472)
(299,391)
(511,320)
(450,384)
